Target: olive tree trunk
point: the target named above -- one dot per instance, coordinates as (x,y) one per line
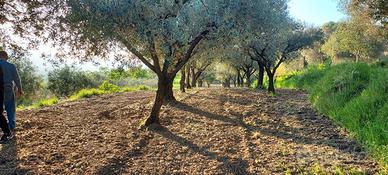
(183,78)
(260,78)
(188,86)
(169,93)
(271,86)
(193,78)
(161,93)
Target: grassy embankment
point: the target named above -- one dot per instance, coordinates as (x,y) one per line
(355,95)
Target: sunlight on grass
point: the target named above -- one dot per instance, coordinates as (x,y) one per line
(86,93)
(41,103)
(105,88)
(354,95)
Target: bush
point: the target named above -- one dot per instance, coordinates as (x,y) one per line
(139,73)
(87,93)
(46,102)
(137,88)
(108,87)
(353,94)
(65,81)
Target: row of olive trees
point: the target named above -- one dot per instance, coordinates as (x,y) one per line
(162,34)
(361,38)
(166,35)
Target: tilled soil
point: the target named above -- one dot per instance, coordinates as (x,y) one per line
(209,131)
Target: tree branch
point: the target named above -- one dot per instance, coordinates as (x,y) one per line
(137,53)
(278,64)
(188,54)
(154,55)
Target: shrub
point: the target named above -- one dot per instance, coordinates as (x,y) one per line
(86,93)
(136,88)
(140,73)
(46,102)
(108,87)
(65,81)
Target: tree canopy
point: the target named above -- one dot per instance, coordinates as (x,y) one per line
(165,35)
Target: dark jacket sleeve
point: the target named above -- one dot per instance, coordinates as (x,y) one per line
(16,78)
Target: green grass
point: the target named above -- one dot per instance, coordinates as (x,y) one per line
(107,88)
(40,103)
(355,95)
(176,84)
(104,88)
(136,88)
(87,93)
(46,102)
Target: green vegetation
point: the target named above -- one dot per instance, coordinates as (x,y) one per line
(137,88)
(318,169)
(353,94)
(32,82)
(46,102)
(70,84)
(40,103)
(86,93)
(176,82)
(107,88)
(64,81)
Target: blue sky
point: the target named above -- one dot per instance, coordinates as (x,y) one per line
(316,12)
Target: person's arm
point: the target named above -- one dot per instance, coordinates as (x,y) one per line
(16,79)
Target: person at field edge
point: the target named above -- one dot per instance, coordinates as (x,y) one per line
(7,135)
(12,84)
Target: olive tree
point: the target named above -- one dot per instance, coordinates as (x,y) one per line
(164,35)
(351,37)
(273,50)
(263,33)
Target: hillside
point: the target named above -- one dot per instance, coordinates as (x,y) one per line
(210,131)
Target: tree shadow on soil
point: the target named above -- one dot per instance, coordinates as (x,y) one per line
(280,130)
(237,166)
(9,159)
(119,164)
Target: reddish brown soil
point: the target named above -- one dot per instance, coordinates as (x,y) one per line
(210,131)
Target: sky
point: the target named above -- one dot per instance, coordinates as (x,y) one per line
(315,12)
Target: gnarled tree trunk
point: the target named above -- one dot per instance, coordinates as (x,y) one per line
(200,83)
(188,86)
(169,97)
(153,118)
(248,82)
(271,86)
(226,83)
(183,78)
(260,78)
(239,81)
(193,78)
